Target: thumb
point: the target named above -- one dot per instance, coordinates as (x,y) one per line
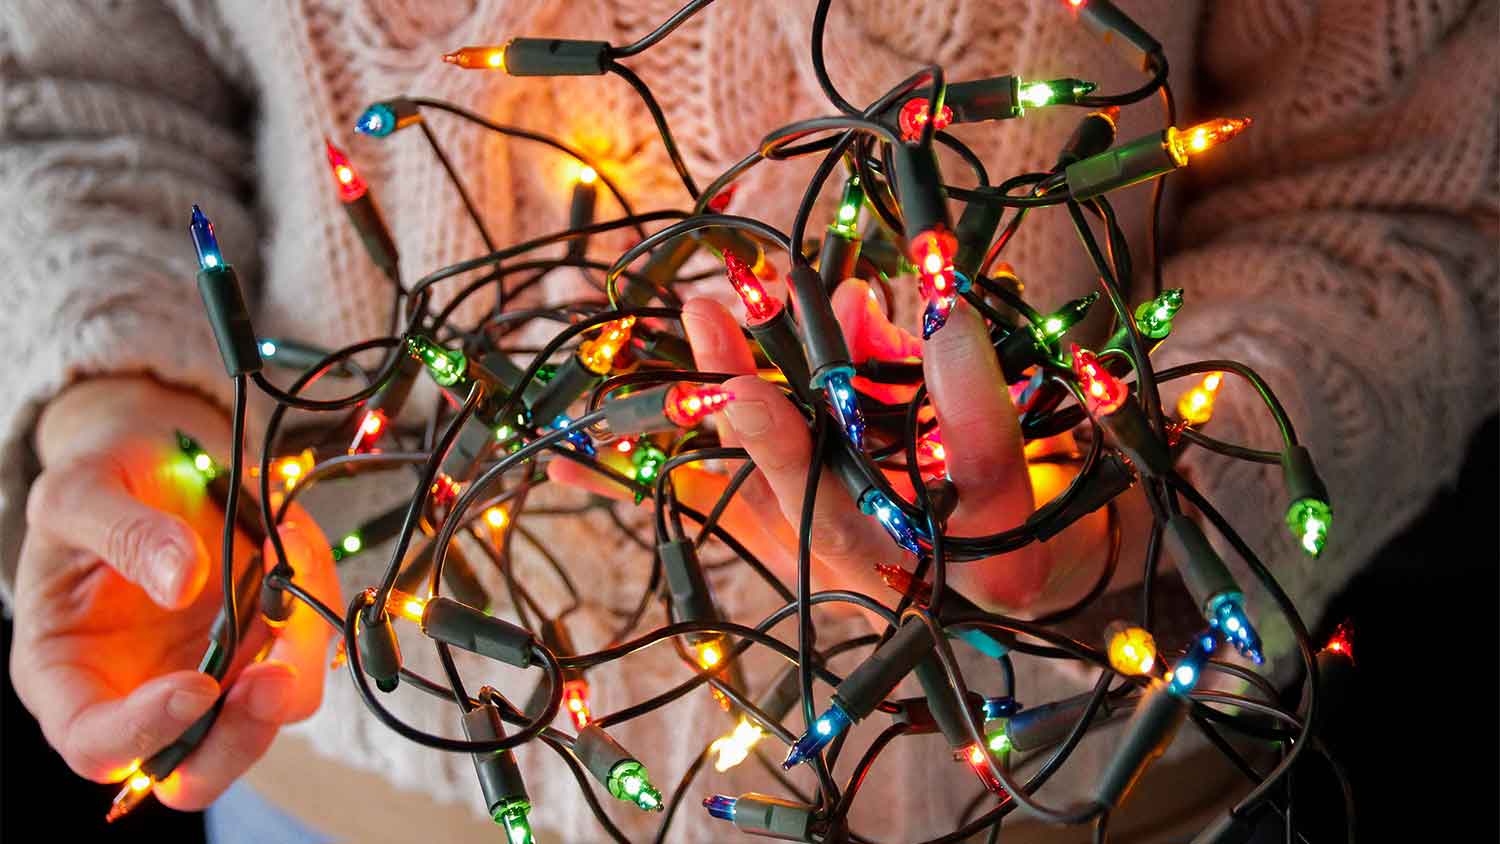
(88,506)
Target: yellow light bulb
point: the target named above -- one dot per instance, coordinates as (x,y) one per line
(409,607)
(497,517)
(1197,405)
(587,175)
(598,355)
(140,781)
(735,747)
(709,655)
(1131,649)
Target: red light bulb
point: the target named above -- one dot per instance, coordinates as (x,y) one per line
(978,763)
(913,116)
(931,455)
(932,251)
(688,404)
(720,201)
(1341,643)
(759,305)
(575,696)
(445,489)
(351,186)
(368,435)
(1105,393)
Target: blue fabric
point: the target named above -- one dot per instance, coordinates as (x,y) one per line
(240,816)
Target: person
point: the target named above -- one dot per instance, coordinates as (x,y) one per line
(1343,247)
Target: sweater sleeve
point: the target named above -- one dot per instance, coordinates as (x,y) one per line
(1344,248)
(113,122)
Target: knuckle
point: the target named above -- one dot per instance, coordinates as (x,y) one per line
(833,536)
(84,758)
(45,498)
(129,542)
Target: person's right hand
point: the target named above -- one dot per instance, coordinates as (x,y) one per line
(118,582)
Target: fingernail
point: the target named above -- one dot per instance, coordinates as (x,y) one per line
(168,574)
(749,418)
(188,704)
(271,696)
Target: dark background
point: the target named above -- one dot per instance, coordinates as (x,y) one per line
(1419,739)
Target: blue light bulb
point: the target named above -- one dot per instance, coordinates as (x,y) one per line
(721,806)
(377,121)
(1000,707)
(874,503)
(1189,668)
(204,242)
(823,731)
(936,314)
(1231,620)
(576,436)
(845,404)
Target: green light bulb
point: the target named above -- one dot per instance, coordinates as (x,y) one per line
(1051,92)
(1154,318)
(1309,520)
(1055,325)
(446,366)
(628,781)
(203,464)
(846,219)
(352,543)
(999,742)
(512,816)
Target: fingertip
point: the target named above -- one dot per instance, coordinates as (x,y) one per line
(181,566)
(299,551)
(189,695)
(751,388)
(714,333)
(576,475)
(851,294)
(703,309)
(266,691)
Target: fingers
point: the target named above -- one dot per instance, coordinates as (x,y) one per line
(87,505)
(302,643)
(866,329)
(718,345)
(776,436)
(573,474)
(259,702)
(982,441)
(98,733)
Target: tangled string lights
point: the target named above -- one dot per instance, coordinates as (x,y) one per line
(615,391)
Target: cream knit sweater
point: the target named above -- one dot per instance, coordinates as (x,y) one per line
(1344,247)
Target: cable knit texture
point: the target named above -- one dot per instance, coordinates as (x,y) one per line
(1344,248)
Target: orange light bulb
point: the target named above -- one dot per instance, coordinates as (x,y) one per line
(1183,144)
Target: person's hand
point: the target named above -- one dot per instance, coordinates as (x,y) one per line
(980,435)
(119,580)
